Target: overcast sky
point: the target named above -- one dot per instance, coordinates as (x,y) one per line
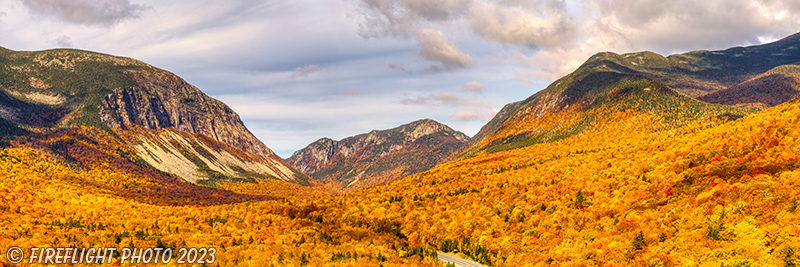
(299,70)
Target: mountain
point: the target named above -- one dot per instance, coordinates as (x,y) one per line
(170,125)
(768,89)
(618,169)
(378,157)
(632,194)
(727,83)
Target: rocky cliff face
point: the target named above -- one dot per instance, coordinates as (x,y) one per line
(314,156)
(378,156)
(162,100)
(172,125)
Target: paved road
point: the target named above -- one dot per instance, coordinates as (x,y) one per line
(458,261)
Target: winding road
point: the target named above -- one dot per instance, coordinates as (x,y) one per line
(458,261)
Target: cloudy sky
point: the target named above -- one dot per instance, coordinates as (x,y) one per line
(299,70)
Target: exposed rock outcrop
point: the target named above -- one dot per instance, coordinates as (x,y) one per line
(163,100)
(378,156)
(172,125)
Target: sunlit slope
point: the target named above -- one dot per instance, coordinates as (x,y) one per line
(100,163)
(749,78)
(46,202)
(627,191)
(573,103)
(632,189)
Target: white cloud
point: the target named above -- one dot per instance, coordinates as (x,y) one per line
(444,99)
(435,46)
(472,115)
(436,9)
(682,25)
(87,12)
(532,24)
(474,87)
(408,19)
(664,27)
(555,36)
(466,116)
(539,24)
(382,18)
(434,99)
(403,18)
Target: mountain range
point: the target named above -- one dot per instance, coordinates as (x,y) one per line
(175,128)
(631,160)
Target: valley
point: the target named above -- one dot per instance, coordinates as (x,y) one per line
(630,160)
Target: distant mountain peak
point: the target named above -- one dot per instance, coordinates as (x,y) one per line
(752,78)
(424,127)
(373,155)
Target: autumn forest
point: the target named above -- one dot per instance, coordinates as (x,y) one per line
(616,164)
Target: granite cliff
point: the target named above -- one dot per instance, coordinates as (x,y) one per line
(173,126)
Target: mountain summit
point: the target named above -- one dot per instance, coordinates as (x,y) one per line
(170,124)
(378,156)
(742,79)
